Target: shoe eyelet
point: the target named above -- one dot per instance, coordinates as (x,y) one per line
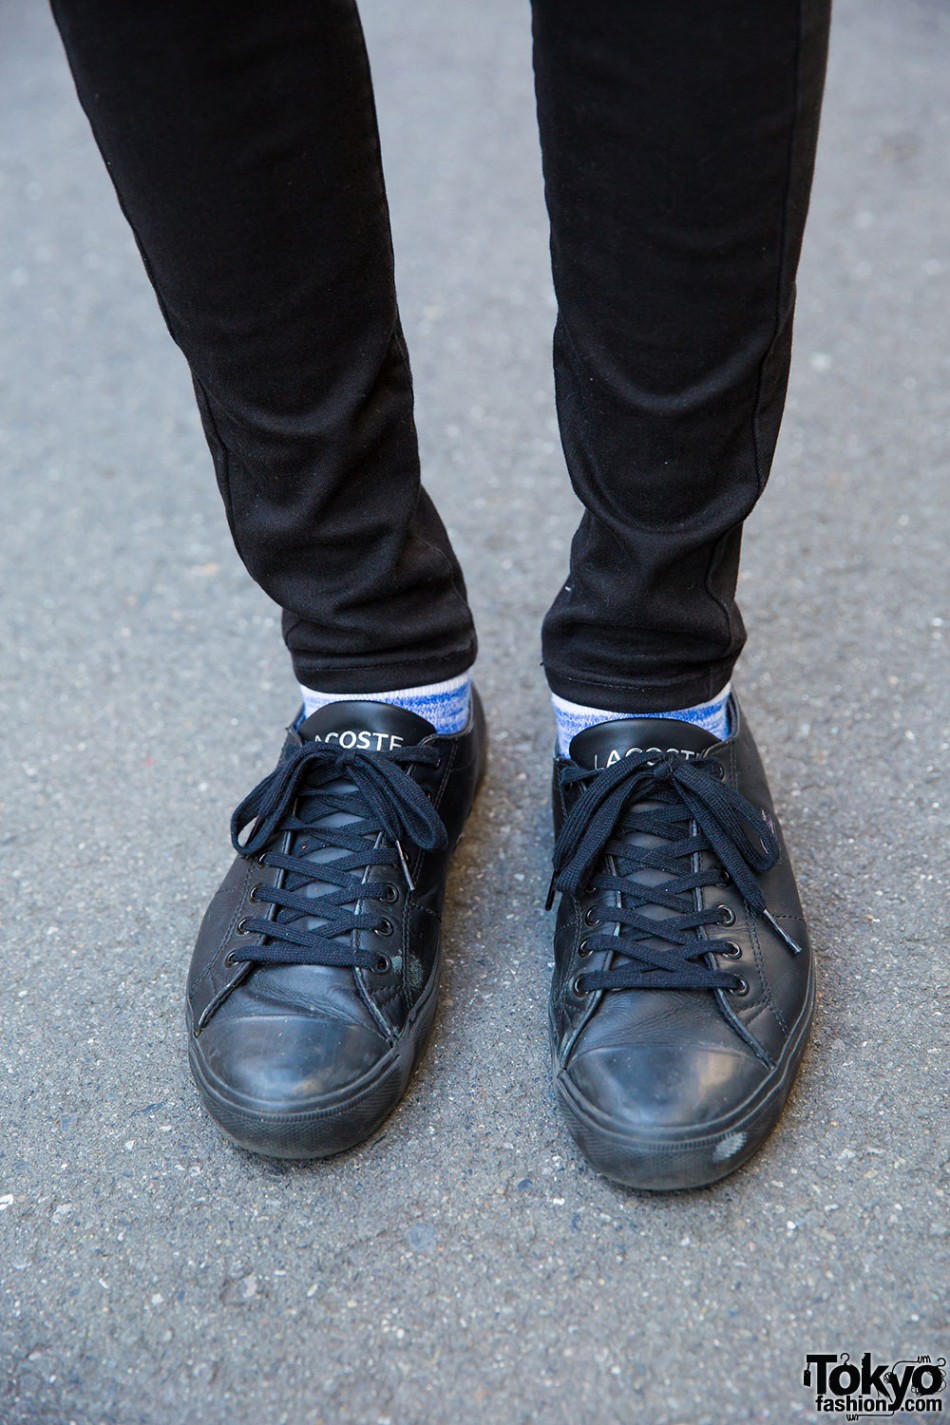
(241,927)
(229,960)
(259,858)
(728,949)
(584,950)
(252,894)
(590,916)
(740,988)
(385,927)
(724,877)
(383,965)
(727,915)
(576,988)
(391,894)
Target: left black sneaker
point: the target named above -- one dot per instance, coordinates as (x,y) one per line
(314,980)
(684,987)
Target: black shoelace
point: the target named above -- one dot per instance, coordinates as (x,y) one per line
(693,811)
(302,793)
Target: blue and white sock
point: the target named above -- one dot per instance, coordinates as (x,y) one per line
(445,705)
(573,717)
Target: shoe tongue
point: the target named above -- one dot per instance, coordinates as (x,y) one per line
(603,745)
(355,724)
(365,726)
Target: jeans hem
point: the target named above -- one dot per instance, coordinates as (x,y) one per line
(383,676)
(641,695)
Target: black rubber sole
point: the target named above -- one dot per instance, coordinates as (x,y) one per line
(680,1161)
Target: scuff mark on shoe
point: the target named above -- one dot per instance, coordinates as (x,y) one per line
(729,1146)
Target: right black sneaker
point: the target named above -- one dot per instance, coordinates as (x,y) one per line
(313,984)
(684,987)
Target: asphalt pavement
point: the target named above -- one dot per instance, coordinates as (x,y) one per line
(465,1265)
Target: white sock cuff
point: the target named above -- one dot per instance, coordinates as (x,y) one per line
(446,704)
(573,718)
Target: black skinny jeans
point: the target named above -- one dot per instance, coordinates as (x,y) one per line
(678,141)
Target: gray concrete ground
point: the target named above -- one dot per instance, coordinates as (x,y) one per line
(465,1265)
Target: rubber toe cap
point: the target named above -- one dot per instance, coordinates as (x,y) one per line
(285,1063)
(658,1088)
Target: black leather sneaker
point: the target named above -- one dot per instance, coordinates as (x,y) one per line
(684,987)
(313,984)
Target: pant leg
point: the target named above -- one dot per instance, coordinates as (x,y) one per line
(242,141)
(678,140)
